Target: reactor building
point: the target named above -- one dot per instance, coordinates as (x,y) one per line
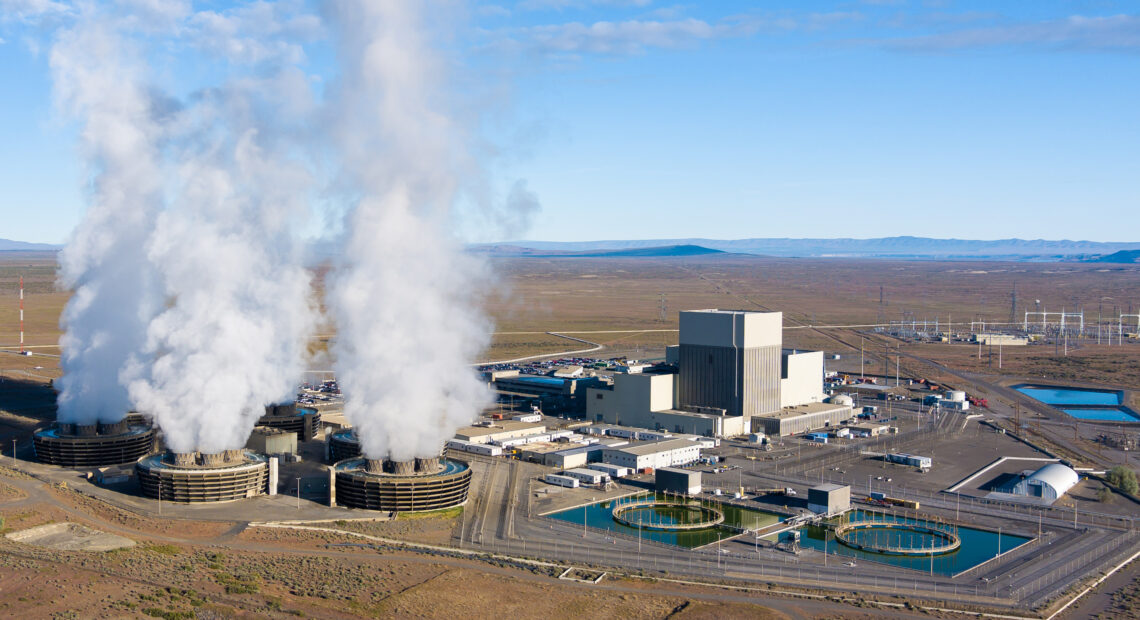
(95,445)
(399,486)
(728,373)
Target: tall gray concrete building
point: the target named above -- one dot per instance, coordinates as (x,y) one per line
(730,359)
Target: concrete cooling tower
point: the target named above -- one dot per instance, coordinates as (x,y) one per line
(343,444)
(289,417)
(192,477)
(400,486)
(94,445)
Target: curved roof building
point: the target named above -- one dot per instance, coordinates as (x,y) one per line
(1049,483)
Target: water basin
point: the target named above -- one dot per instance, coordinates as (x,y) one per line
(1052,395)
(1102,414)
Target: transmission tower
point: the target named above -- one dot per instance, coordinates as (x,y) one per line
(1013,306)
(664,308)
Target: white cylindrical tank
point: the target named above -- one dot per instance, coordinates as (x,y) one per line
(841,399)
(956,396)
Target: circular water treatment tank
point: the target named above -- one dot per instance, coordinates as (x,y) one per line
(365,483)
(898,538)
(201,478)
(94,445)
(956,396)
(667,516)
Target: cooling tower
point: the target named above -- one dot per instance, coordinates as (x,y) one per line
(190,477)
(289,417)
(401,486)
(94,445)
(343,445)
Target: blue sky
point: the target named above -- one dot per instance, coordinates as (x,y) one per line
(644,119)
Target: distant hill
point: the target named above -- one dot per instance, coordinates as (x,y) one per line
(641,252)
(1123,256)
(8,245)
(905,247)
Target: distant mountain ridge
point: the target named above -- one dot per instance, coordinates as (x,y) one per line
(903,247)
(1123,256)
(9,245)
(645,252)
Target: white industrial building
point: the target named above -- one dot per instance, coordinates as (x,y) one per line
(587,476)
(731,368)
(1048,483)
(1006,340)
(802,419)
(613,471)
(503,430)
(654,454)
(801,377)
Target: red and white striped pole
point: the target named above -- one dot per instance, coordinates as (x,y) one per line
(21,314)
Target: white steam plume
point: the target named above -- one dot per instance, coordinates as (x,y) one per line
(405,297)
(191,287)
(99,79)
(232,338)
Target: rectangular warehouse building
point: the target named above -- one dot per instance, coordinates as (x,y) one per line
(613,471)
(801,419)
(499,431)
(587,476)
(655,454)
(677,480)
(921,462)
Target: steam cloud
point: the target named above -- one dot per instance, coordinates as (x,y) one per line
(99,79)
(404,294)
(191,301)
(192,304)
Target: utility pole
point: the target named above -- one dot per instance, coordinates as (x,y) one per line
(1013,305)
(860,357)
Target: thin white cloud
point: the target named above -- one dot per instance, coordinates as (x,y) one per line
(1112,33)
(492,10)
(255,33)
(628,37)
(636,36)
(32,10)
(560,5)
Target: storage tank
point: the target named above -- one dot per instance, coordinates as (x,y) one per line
(956,396)
(841,399)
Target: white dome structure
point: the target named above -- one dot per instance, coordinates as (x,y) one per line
(841,399)
(1049,483)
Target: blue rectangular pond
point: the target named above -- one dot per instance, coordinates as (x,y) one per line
(1102,414)
(1051,395)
